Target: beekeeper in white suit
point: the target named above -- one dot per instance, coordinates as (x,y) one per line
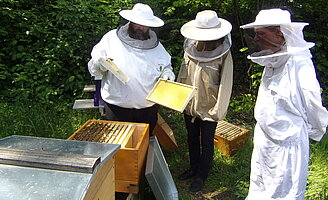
(288,110)
(135,49)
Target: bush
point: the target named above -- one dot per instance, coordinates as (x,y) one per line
(46,57)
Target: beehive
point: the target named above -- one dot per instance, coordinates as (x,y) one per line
(229,138)
(46,168)
(130,159)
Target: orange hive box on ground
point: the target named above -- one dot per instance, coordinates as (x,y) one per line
(130,159)
(229,138)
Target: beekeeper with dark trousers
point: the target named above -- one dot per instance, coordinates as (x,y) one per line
(135,50)
(208,66)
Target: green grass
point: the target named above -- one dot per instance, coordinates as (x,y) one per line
(318,170)
(31,119)
(228,179)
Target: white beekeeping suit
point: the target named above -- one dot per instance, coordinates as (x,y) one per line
(142,60)
(288,110)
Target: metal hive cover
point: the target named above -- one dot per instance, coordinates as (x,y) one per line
(36,183)
(158,174)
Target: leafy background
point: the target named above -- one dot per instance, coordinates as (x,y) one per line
(46,44)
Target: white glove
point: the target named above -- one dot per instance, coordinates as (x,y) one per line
(168,74)
(98,64)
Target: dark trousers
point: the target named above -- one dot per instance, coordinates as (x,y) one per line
(200,144)
(144,115)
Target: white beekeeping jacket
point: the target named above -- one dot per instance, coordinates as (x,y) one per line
(288,111)
(291,86)
(142,66)
(289,99)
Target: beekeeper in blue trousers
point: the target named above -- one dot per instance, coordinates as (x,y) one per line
(288,109)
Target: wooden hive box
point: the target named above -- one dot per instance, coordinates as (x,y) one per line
(103,183)
(164,134)
(229,138)
(130,159)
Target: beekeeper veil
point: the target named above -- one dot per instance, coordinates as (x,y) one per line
(138,27)
(273,34)
(207,37)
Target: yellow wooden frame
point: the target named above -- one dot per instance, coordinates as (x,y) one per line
(171,94)
(110,65)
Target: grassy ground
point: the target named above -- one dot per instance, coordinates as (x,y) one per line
(228,179)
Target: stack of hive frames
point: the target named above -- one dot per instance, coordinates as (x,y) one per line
(104,132)
(229,138)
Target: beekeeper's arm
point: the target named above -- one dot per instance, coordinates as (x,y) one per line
(98,52)
(225,88)
(317,115)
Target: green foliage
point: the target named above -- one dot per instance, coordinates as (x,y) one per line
(318,179)
(242,107)
(317,33)
(46,44)
(46,57)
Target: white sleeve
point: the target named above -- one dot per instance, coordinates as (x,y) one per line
(99,50)
(317,115)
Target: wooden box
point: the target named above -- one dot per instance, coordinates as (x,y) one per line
(164,134)
(229,138)
(130,159)
(103,183)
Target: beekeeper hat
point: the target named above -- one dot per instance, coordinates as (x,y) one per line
(142,14)
(272,17)
(292,32)
(206,27)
